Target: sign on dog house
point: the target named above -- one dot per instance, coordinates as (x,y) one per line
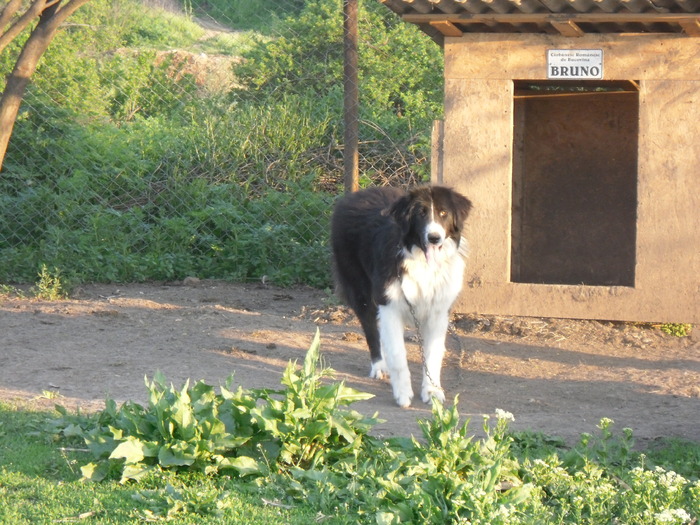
(574,127)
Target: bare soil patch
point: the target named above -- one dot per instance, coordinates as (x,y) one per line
(557,376)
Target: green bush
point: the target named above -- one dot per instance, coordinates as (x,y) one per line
(261,15)
(304,443)
(122,167)
(274,235)
(400,69)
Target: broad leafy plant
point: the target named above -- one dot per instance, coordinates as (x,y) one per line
(303,443)
(307,418)
(242,431)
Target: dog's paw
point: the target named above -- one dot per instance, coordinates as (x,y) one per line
(431,392)
(403,393)
(379,370)
(403,399)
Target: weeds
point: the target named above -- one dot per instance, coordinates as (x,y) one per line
(677,329)
(51,285)
(303,444)
(240,432)
(12,291)
(154,176)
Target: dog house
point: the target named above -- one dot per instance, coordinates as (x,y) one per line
(574,127)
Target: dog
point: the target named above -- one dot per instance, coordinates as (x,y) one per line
(397,261)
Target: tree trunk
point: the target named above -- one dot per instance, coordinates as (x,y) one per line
(51,18)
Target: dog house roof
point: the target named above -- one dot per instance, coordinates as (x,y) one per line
(573,18)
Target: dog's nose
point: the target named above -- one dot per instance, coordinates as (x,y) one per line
(434,238)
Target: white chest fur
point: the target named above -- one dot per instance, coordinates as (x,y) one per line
(430,287)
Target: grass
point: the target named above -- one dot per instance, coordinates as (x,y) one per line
(40,482)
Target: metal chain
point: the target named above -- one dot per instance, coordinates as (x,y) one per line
(420,344)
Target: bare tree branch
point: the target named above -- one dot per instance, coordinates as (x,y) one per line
(51,15)
(9,11)
(35,9)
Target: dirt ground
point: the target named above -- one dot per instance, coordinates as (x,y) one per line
(557,376)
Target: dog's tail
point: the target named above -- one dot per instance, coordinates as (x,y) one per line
(338,286)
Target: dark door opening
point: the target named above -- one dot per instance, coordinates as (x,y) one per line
(575,182)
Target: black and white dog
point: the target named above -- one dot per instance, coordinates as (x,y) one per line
(396,261)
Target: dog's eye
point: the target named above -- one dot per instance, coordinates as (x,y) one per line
(442,213)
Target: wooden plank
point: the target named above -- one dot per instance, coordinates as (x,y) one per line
(436,156)
(567,28)
(523,56)
(447,28)
(544,18)
(691,27)
(531,94)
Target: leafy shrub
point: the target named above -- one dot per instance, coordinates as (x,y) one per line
(274,235)
(677,329)
(400,69)
(244,14)
(163,201)
(243,431)
(303,443)
(122,168)
(50,285)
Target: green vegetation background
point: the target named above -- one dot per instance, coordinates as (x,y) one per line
(125,166)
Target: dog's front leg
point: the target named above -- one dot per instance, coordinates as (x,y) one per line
(434,331)
(394,351)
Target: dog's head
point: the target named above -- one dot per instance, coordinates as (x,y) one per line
(432,218)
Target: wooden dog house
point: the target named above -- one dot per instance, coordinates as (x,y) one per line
(574,127)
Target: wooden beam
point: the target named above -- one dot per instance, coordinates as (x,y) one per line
(447,28)
(689,21)
(567,28)
(609,86)
(523,94)
(351,96)
(691,27)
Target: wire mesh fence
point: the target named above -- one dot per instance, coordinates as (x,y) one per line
(161,139)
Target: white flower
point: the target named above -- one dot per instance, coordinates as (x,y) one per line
(672,516)
(502,414)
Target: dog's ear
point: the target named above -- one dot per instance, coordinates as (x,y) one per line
(462,207)
(400,211)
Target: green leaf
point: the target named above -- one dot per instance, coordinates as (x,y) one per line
(73,430)
(182,416)
(301,413)
(230,442)
(133,450)
(315,430)
(386,518)
(313,355)
(518,495)
(117,433)
(177,455)
(244,465)
(341,426)
(136,472)
(95,471)
(100,445)
(347,395)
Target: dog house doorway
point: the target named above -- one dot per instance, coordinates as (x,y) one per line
(574,182)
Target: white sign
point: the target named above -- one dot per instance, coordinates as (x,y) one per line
(574,63)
